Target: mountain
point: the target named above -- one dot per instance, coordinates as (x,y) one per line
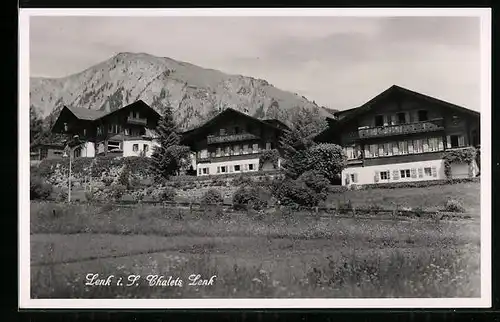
(195,93)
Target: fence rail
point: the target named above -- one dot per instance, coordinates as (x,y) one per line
(319,212)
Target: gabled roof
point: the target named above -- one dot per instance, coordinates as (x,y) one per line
(347,115)
(219,115)
(344,116)
(92,115)
(85,113)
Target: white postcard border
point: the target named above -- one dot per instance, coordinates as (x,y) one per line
(25,302)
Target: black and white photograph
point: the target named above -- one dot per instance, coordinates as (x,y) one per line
(226,158)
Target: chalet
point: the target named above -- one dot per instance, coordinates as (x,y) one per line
(128,131)
(401,135)
(232,142)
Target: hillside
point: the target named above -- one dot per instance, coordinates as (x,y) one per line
(194,92)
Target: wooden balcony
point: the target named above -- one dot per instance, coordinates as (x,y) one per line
(213,139)
(137,120)
(401,129)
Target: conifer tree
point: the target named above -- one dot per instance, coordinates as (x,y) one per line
(168,157)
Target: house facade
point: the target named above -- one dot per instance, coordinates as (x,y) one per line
(232,142)
(128,131)
(403,136)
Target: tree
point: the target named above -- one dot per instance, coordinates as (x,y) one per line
(169,156)
(36,126)
(327,159)
(308,121)
(295,148)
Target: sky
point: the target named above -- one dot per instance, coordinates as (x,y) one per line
(339,62)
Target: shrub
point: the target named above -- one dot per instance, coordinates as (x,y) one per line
(453,205)
(328,159)
(167,194)
(212,197)
(39,189)
(62,196)
(251,197)
(242,181)
(89,195)
(117,191)
(124,177)
(297,193)
(316,181)
(107,181)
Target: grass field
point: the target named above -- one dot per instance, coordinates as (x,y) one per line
(275,256)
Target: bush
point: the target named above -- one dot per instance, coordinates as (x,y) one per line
(167,194)
(297,193)
(242,181)
(316,181)
(124,177)
(328,159)
(117,191)
(39,189)
(212,197)
(89,195)
(62,196)
(453,205)
(251,197)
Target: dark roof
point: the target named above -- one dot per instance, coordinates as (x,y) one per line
(219,115)
(85,113)
(346,115)
(92,115)
(351,113)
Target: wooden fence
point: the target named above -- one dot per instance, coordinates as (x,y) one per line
(320,212)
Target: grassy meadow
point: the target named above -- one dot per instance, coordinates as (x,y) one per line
(278,255)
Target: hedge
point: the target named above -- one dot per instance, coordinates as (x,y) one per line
(416,184)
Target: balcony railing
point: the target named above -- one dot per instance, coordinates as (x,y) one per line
(417,127)
(137,120)
(211,139)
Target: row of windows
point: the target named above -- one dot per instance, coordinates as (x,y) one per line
(426,172)
(116,129)
(234,150)
(230,168)
(399,118)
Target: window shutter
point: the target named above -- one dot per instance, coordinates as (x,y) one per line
(413,173)
(434,172)
(388,174)
(377,175)
(461,140)
(347,178)
(420,173)
(395,175)
(355,178)
(440,144)
(448,142)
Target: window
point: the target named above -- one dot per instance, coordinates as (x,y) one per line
(380,150)
(475,139)
(245,148)
(84,132)
(99,130)
(255,148)
(349,151)
(135,147)
(374,150)
(425,145)
(417,146)
(236,130)
(237,167)
(454,141)
(205,170)
(268,145)
(236,149)
(354,178)
(428,172)
(422,115)
(384,175)
(199,171)
(222,131)
(250,166)
(379,120)
(410,147)
(401,118)
(223,169)
(146,148)
(218,153)
(226,152)
(388,149)
(405,173)
(127,131)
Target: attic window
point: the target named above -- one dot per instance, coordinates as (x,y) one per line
(65,126)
